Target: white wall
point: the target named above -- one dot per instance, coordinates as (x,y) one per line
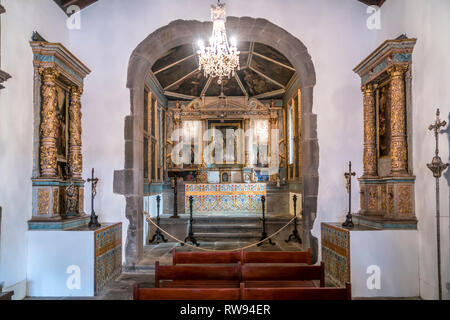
(429,22)
(16,126)
(398,266)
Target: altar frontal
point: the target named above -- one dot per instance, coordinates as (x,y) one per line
(225,198)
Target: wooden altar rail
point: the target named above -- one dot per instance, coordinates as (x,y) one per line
(241,256)
(242,293)
(231,276)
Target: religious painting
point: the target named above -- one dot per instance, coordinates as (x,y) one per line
(230,151)
(384,120)
(62,126)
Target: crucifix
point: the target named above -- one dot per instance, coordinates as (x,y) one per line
(348,177)
(437,167)
(94,218)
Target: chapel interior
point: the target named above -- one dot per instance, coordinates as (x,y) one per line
(278,151)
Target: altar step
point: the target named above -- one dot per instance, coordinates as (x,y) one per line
(226,229)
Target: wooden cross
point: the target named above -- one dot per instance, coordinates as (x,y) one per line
(94,218)
(348,176)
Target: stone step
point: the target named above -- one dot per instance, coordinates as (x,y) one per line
(226,228)
(221,236)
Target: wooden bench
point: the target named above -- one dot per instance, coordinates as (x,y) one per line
(280,257)
(197,276)
(296,293)
(283,276)
(242,293)
(232,276)
(185,293)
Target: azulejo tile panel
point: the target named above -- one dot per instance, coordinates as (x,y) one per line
(336,253)
(225,198)
(108,255)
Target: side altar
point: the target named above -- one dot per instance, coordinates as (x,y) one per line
(67,255)
(225,198)
(377,249)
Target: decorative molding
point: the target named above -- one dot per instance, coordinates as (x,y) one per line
(389,53)
(55,55)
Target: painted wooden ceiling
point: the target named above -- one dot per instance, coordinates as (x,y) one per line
(264,73)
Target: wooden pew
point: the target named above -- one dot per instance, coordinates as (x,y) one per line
(205,257)
(231,276)
(282,276)
(280,257)
(185,294)
(296,293)
(197,276)
(242,293)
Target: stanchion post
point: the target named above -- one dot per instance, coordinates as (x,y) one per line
(190,237)
(158,237)
(264,233)
(295,236)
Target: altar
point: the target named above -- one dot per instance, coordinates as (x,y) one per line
(233,198)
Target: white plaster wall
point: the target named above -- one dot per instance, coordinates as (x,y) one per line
(59,261)
(22,17)
(395,254)
(334,32)
(429,22)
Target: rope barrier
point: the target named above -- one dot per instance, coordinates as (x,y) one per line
(148,218)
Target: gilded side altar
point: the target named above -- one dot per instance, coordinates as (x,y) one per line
(58,185)
(387,184)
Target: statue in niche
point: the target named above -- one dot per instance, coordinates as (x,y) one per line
(384,128)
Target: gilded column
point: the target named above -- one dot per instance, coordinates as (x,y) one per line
(75,155)
(48,151)
(370,151)
(247,142)
(398,121)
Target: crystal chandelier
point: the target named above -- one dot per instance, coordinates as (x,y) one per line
(219,59)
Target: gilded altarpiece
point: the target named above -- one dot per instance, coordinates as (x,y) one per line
(232,113)
(387,184)
(58,185)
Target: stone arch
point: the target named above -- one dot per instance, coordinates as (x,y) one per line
(129,182)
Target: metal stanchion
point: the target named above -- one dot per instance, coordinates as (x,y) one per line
(264,233)
(190,237)
(295,236)
(158,237)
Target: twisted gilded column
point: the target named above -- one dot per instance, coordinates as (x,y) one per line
(49,121)
(75,155)
(370,151)
(398,121)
